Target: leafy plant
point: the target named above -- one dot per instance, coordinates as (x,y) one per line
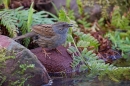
(3,79)
(119,21)
(85,58)
(80,6)
(7,19)
(5,2)
(89,63)
(86,40)
(120,43)
(21,20)
(1,1)
(29,22)
(68,3)
(84,22)
(124,5)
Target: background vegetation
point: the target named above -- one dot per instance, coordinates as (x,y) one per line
(93,46)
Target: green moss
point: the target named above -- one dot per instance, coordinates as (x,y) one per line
(19,75)
(3,78)
(3,56)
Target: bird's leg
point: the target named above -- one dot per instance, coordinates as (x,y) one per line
(58,51)
(45,52)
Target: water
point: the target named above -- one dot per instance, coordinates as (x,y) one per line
(84,82)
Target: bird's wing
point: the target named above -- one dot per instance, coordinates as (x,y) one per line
(54,41)
(50,39)
(44,30)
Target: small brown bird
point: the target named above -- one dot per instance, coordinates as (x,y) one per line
(49,35)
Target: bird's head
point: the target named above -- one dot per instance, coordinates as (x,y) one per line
(61,27)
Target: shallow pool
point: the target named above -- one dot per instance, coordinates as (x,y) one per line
(85,82)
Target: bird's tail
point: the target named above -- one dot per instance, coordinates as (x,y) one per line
(30,34)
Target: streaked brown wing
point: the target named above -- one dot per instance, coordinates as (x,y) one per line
(44,30)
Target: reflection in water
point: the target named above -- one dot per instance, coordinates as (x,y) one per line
(84,82)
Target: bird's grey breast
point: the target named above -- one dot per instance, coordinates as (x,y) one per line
(61,39)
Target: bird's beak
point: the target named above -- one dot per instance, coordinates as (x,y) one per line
(70,25)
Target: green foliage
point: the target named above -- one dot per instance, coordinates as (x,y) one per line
(68,3)
(86,40)
(84,23)
(14,19)
(90,3)
(120,43)
(84,16)
(80,6)
(86,60)
(124,5)
(121,37)
(9,20)
(1,2)
(101,22)
(120,21)
(105,6)
(3,79)
(29,22)
(116,73)
(5,2)
(63,15)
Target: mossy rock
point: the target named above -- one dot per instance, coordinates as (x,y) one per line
(20,67)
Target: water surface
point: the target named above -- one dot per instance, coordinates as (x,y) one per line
(84,82)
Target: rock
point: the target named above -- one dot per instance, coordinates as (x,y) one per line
(22,70)
(58,63)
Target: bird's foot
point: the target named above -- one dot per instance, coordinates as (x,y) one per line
(46,53)
(58,51)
